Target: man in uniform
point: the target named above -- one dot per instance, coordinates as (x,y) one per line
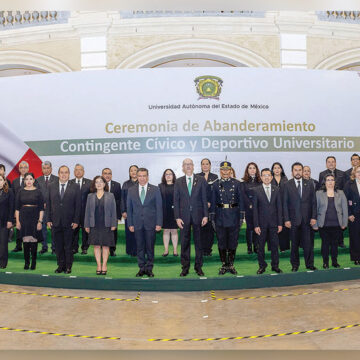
(227,205)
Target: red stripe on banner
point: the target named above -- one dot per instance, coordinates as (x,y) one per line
(34,165)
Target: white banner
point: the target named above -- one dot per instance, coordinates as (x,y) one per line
(157,117)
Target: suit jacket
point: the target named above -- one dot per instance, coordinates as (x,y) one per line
(348,173)
(84,190)
(109,209)
(315,183)
(341,207)
(42,184)
(211,179)
(194,206)
(353,197)
(296,209)
(340,178)
(227,192)
(62,213)
(116,190)
(267,214)
(148,215)
(126,186)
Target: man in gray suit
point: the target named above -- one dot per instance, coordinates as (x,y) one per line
(144,218)
(44,181)
(190,210)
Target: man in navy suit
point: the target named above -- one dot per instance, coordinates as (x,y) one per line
(355,161)
(190,210)
(300,213)
(115,188)
(267,211)
(63,206)
(44,181)
(84,185)
(144,218)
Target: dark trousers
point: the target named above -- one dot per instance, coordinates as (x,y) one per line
(63,246)
(296,233)
(354,236)
(284,239)
(30,249)
(84,241)
(341,238)
(227,237)
(251,236)
(145,242)
(185,239)
(113,248)
(4,240)
(18,240)
(130,241)
(270,235)
(207,238)
(44,234)
(329,238)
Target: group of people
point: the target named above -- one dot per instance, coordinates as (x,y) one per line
(282,213)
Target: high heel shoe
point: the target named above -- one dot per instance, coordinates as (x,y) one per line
(165,254)
(176,254)
(103,272)
(98,272)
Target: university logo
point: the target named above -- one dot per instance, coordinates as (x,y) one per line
(208,87)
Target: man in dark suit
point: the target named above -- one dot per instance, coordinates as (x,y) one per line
(144,218)
(340,181)
(190,210)
(355,161)
(299,205)
(115,188)
(84,185)
(44,181)
(63,207)
(227,205)
(267,215)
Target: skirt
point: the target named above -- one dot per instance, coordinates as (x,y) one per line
(101,237)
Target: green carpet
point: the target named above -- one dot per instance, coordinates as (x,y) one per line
(124,266)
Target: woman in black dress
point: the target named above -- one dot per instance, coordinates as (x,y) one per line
(7,204)
(129,236)
(207,231)
(251,179)
(29,215)
(279,180)
(100,221)
(169,223)
(352,192)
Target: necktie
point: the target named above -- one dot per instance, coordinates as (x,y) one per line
(46,181)
(62,192)
(142,195)
(299,187)
(21,181)
(189,185)
(268,193)
(79,182)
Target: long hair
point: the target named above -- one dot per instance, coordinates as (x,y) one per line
(233,170)
(323,186)
(93,187)
(135,166)
(282,169)
(163,179)
(247,177)
(6,185)
(352,177)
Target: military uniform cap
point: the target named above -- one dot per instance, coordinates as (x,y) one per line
(225,165)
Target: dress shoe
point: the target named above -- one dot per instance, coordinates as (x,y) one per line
(149,273)
(276,269)
(313,268)
(250,252)
(261,270)
(325,266)
(67,271)
(43,251)
(33,267)
(16,250)
(26,267)
(112,253)
(140,273)
(165,254)
(184,273)
(231,269)
(199,272)
(59,270)
(53,252)
(335,265)
(342,246)
(2,267)
(295,269)
(223,270)
(84,252)
(357,262)
(75,251)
